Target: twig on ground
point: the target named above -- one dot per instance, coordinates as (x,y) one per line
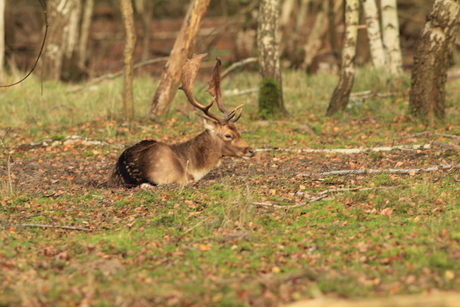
(380,171)
(48,226)
(431,133)
(350,150)
(356,189)
(363,94)
(291,206)
(115,74)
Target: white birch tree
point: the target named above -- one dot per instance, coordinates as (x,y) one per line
(341,94)
(373,32)
(390,35)
(271,91)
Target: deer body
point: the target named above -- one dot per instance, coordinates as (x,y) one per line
(156,163)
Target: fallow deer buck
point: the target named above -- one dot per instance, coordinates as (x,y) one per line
(155,162)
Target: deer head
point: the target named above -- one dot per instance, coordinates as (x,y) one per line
(223,127)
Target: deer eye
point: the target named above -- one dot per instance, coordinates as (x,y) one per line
(228,137)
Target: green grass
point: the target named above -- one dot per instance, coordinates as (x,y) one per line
(221,242)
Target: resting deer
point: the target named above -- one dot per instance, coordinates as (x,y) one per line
(155,162)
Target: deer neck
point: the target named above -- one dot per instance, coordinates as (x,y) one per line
(200,154)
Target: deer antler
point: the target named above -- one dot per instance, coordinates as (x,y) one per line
(215,91)
(189,72)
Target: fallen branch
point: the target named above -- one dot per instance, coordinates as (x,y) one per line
(356,189)
(292,206)
(115,74)
(350,150)
(430,133)
(48,226)
(380,171)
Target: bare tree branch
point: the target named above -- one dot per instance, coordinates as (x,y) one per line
(238,65)
(115,74)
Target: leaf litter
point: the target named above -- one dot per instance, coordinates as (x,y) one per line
(246,234)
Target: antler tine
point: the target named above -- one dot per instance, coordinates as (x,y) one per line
(214,88)
(189,72)
(234,112)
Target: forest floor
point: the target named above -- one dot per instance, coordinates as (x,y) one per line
(361,205)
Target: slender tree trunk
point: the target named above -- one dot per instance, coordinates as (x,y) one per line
(285,24)
(128,21)
(271,92)
(373,33)
(431,60)
(332,22)
(145,9)
(341,95)
(2,41)
(324,18)
(315,37)
(73,33)
(390,35)
(302,15)
(183,46)
(84,33)
(59,33)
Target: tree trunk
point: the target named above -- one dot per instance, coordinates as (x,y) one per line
(431,60)
(271,92)
(145,9)
(341,95)
(185,41)
(373,33)
(302,15)
(315,37)
(286,26)
(128,21)
(84,33)
(332,21)
(324,18)
(59,16)
(390,35)
(2,41)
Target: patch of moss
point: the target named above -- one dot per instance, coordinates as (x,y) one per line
(270,99)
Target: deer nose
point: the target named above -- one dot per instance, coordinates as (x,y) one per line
(251,152)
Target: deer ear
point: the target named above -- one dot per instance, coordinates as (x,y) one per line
(208,123)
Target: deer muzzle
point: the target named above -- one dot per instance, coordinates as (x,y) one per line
(248,153)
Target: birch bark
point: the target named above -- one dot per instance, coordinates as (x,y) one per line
(390,35)
(373,33)
(431,60)
(271,92)
(341,94)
